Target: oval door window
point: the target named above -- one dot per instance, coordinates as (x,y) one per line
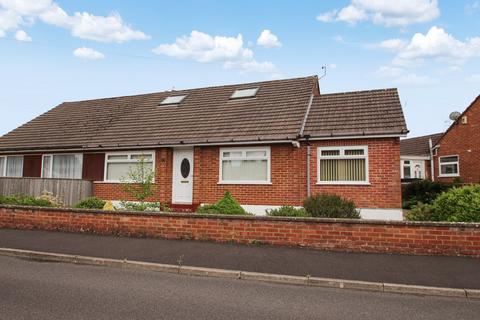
(185,168)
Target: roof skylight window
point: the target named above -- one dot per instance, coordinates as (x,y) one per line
(172,100)
(244,93)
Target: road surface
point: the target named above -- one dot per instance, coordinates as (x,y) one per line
(43,290)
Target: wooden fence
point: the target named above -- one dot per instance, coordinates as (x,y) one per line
(69,191)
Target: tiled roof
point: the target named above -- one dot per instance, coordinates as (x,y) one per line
(205,115)
(208,115)
(356,113)
(418,146)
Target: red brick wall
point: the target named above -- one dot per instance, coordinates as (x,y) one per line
(344,235)
(463,140)
(288,177)
(163,181)
(384,190)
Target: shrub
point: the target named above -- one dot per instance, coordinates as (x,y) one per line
(21,200)
(288,211)
(145,206)
(424,191)
(330,206)
(226,205)
(455,205)
(90,203)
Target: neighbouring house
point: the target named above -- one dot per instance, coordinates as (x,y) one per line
(454,154)
(415,158)
(269,143)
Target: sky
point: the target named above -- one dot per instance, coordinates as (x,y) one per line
(55,51)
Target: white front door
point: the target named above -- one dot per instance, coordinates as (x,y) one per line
(182,180)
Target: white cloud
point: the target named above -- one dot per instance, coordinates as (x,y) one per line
(83,25)
(327,16)
(21,35)
(202,47)
(88,53)
(268,39)
(392,44)
(437,44)
(385,12)
(351,14)
(400,76)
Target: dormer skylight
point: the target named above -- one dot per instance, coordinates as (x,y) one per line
(172,100)
(244,93)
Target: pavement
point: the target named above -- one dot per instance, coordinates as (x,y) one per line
(45,290)
(449,272)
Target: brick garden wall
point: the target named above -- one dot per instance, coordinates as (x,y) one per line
(451,239)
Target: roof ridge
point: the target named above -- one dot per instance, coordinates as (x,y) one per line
(195,88)
(424,136)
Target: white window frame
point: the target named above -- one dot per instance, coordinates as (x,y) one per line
(244,157)
(4,173)
(129,160)
(51,164)
(340,157)
(444,163)
(411,165)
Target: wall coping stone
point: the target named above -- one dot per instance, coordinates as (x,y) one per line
(470,225)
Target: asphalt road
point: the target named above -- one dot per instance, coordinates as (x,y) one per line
(39,290)
(453,272)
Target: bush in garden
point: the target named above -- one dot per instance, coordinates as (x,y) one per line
(226,205)
(455,205)
(21,200)
(145,206)
(424,191)
(330,206)
(288,211)
(90,203)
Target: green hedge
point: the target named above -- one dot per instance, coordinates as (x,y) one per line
(422,191)
(455,205)
(330,206)
(226,205)
(90,203)
(21,200)
(288,211)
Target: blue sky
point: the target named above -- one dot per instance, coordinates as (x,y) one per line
(54,51)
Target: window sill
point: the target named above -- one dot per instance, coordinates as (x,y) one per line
(244,182)
(449,176)
(342,183)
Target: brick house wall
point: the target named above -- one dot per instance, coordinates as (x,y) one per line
(288,177)
(463,140)
(384,190)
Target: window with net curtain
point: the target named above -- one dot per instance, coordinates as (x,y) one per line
(245,165)
(62,166)
(118,165)
(337,165)
(11,166)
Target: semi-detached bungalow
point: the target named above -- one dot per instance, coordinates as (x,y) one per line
(269,143)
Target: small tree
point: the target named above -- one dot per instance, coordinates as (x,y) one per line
(139,183)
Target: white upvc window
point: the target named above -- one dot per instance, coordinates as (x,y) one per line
(245,165)
(62,166)
(118,165)
(11,166)
(413,169)
(449,166)
(342,165)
